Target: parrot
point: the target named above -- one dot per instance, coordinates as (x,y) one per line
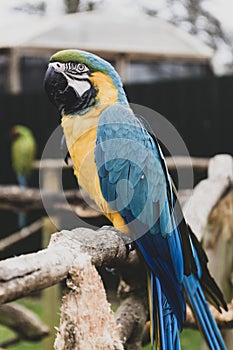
(119,162)
(23,152)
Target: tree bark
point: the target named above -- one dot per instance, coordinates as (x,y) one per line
(87,321)
(19,276)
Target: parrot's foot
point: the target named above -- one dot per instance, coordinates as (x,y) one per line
(127,240)
(123,236)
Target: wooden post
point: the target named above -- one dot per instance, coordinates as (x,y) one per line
(122,66)
(218,236)
(13,77)
(52,295)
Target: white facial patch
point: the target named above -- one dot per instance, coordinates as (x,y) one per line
(81,86)
(77,83)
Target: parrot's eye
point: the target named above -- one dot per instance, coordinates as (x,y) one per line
(75,68)
(81,67)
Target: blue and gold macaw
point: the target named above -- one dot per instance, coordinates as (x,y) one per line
(120,165)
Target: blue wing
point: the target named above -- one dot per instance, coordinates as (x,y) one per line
(135,182)
(132,180)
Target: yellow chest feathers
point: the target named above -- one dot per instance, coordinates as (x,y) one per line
(80,135)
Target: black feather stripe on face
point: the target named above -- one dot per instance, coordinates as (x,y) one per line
(72,103)
(64,93)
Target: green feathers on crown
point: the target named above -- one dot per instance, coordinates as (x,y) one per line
(94,63)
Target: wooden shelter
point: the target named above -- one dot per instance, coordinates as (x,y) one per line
(120,37)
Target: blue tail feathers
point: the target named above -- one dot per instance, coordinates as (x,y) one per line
(164,325)
(204,318)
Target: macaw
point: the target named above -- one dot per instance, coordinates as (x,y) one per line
(119,163)
(23,152)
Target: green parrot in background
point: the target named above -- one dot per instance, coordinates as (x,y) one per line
(23,152)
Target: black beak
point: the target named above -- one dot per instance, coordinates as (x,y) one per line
(55,85)
(65,97)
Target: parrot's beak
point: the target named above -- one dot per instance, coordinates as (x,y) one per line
(67,97)
(14,133)
(55,85)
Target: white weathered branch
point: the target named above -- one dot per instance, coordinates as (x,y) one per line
(186,162)
(172,163)
(223,319)
(30,199)
(19,276)
(22,275)
(208,192)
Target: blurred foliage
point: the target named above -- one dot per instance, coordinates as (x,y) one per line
(188,336)
(190,339)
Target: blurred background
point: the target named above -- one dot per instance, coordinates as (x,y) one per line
(175,57)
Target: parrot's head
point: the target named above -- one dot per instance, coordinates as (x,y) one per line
(20,131)
(77,81)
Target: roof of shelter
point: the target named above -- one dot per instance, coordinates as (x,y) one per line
(137,35)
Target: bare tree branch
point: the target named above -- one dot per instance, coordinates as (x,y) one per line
(9,342)
(14,197)
(24,322)
(198,21)
(224,319)
(30,199)
(172,162)
(208,193)
(131,316)
(21,234)
(19,276)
